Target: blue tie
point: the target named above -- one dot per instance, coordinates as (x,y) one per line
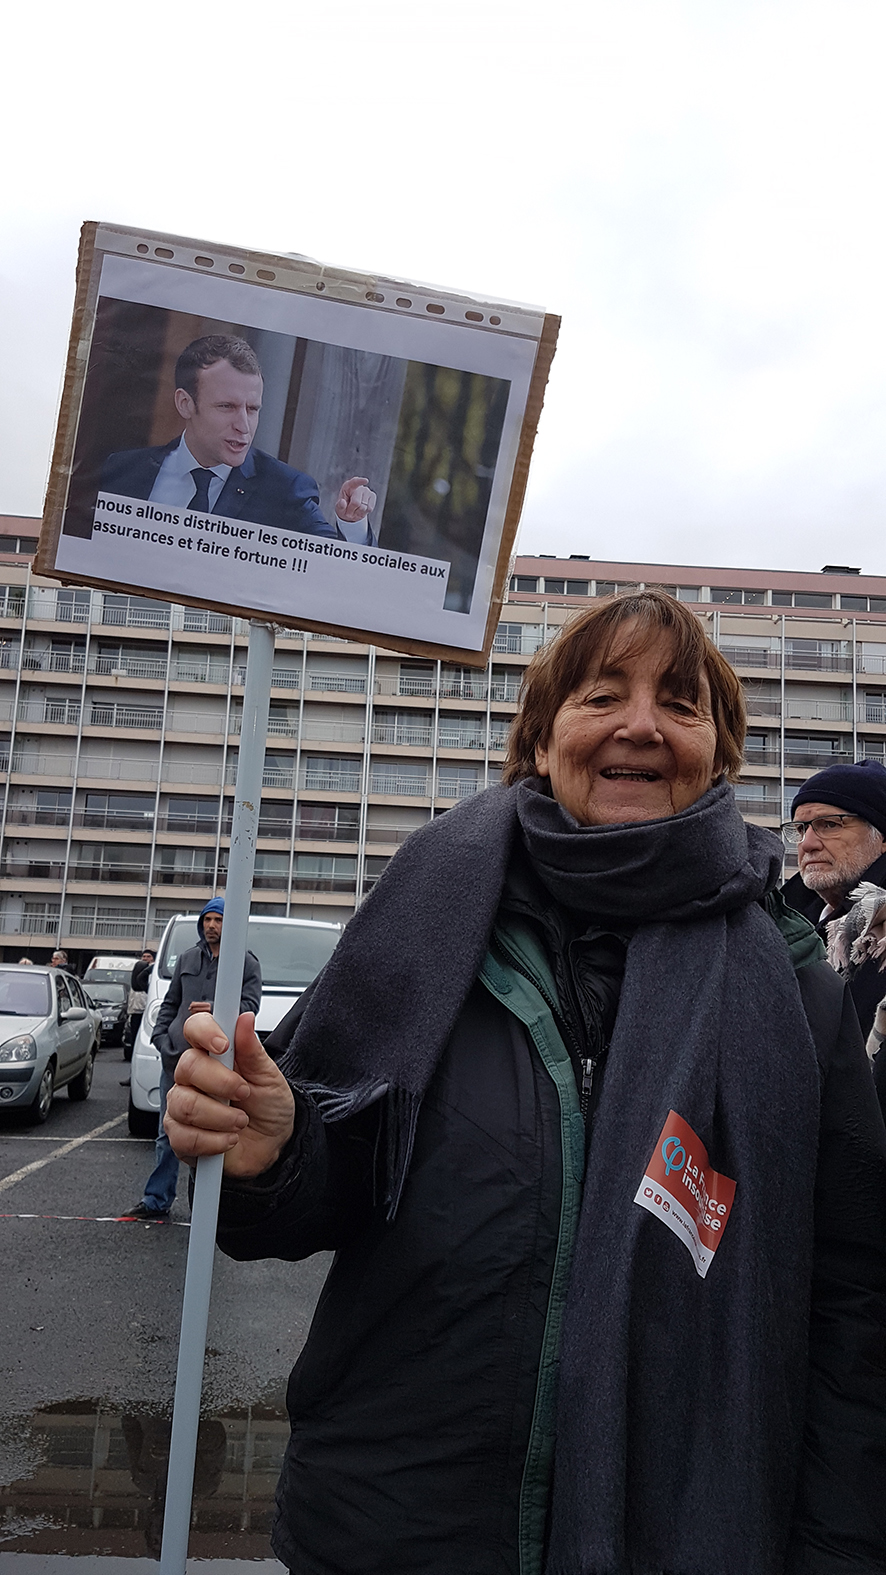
(202,478)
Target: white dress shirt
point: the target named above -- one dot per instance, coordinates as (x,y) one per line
(175,485)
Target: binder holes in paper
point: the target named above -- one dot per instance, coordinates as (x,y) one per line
(163,251)
(265,273)
(204,262)
(474,317)
(433,307)
(236,268)
(402,301)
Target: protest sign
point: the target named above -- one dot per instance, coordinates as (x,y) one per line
(279,439)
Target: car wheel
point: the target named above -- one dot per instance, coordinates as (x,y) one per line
(40,1106)
(142,1123)
(79,1086)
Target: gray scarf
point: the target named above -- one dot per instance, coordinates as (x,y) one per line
(681,1399)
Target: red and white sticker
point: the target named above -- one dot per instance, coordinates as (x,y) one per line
(681,1188)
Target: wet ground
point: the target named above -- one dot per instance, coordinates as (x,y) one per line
(92,1308)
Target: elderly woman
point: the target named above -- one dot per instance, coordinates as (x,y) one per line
(589,1125)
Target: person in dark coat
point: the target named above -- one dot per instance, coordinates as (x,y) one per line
(838,824)
(588,1122)
(137,999)
(191,989)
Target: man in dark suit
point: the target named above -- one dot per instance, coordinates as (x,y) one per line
(212,467)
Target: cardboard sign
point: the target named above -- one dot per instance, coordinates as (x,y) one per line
(682,1189)
(267,436)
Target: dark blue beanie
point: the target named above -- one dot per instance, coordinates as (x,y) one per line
(859,790)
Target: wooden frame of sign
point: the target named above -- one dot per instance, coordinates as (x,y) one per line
(313,396)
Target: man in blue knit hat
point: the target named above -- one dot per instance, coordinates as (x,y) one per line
(191,989)
(838,826)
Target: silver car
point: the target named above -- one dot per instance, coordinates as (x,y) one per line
(48,1039)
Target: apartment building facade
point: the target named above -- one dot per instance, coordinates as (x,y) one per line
(120,717)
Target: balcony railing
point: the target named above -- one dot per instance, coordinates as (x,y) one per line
(388,834)
(317,727)
(111,870)
(52,661)
(32,869)
(407,786)
(147,717)
(127,666)
(342,883)
(420,688)
(324,831)
(805,758)
(338,683)
(328,781)
(40,765)
(452,787)
(110,929)
(114,819)
(33,923)
(61,713)
(24,815)
(396,733)
(171,875)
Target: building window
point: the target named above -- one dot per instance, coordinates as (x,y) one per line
(328,822)
(604,588)
(325,872)
(853,603)
(555,587)
(524,582)
(723,595)
(813,599)
(120,811)
(18,545)
(578,588)
(329,773)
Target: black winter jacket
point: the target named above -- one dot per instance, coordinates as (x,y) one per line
(422,1405)
(867,985)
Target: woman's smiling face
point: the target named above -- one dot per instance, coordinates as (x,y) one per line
(624,746)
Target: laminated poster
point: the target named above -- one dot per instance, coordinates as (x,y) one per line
(274,438)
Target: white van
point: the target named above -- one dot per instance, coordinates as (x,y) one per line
(291,953)
(110,970)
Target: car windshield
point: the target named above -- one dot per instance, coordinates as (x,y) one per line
(95,976)
(106,994)
(291,955)
(24,994)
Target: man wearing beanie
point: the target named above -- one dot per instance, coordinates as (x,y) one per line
(843,812)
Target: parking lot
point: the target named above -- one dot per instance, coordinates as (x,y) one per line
(93,1306)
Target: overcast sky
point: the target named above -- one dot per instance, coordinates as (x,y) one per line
(696,187)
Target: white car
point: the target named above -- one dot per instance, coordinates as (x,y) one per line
(291,953)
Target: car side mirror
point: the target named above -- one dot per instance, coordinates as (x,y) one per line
(73,1014)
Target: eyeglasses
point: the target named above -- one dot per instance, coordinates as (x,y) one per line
(824,826)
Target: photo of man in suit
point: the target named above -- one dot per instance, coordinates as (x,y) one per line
(214,468)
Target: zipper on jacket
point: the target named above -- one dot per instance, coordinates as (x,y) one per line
(580,1054)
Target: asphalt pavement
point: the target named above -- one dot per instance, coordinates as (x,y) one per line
(92,1308)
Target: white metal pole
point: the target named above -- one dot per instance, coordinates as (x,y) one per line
(207,1186)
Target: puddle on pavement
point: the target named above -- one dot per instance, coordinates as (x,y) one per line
(95,1479)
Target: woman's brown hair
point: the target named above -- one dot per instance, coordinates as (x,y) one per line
(587,641)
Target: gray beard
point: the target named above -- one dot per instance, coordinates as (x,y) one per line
(835,882)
